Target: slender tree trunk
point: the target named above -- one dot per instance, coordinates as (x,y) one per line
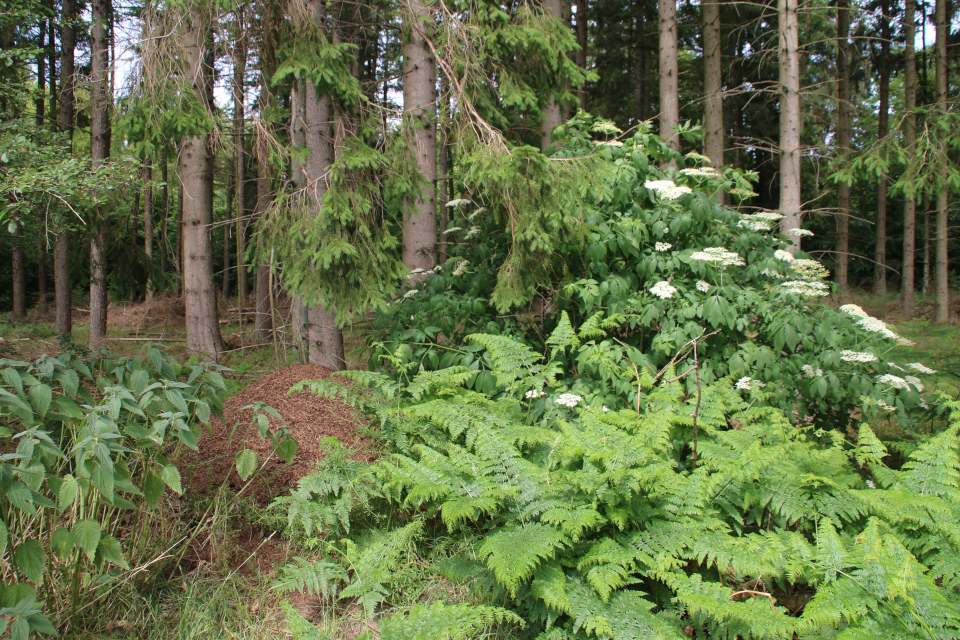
(419,104)
(669,76)
(910,139)
(942,311)
(52,65)
(41,101)
(640,63)
(196,184)
(843,144)
(41,266)
(101,101)
(415,53)
(883,126)
(925,209)
(19,277)
(713,143)
(240,159)
(165,201)
(227,226)
(582,13)
(790,118)
(148,222)
(178,228)
(63,292)
(442,191)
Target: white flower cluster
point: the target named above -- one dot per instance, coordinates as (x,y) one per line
(461,268)
(667,189)
(810,372)
(533,393)
(915,381)
(663,246)
(459,202)
(870,484)
(450,230)
(905,342)
(810,269)
(663,290)
(772,273)
(472,233)
(769,216)
(718,254)
(747,383)
(916,366)
(568,400)
(894,381)
(883,405)
(854,310)
(857,356)
(799,233)
(704,172)
(806,288)
(751,223)
(782,254)
(410,292)
(608,143)
(875,325)
(703,285)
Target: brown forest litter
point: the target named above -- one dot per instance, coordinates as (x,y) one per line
(309,419)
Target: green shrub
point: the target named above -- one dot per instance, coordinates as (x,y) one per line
(85,455)
(703,511)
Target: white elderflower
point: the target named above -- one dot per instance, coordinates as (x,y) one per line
(806,288)
(663,290)
(753,224)
(883,405)
(875,325)
(533,393)
(719,255)
(857,356)
(810,269)
(905,342)
(667,189)
(870,484)
(915,381)
(799,233)
(411,292)
(608,143)
(450,230)
(782,254)
(894,381)
(810,372)
(769,216)
(459,202)
(703,286)
(461,268)
(771,273)
(605,408)
(472,233)
(916,366)
(704,172)
(568,400)
(854,310)
(663,246)
(746,384)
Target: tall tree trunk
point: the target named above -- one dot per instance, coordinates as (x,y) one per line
(669,75)
(19,277)
(942,311)
(165,201)
(263,319)
(910,139)
(843,144)
(41,101)
(790,119)
(240,159)
(582,13)
(52,65)
(419,104)
(101,101)
(713,143)
(442,211)
(63,292)
(925,209)
(148,221)
(415,53)
(883,127)
(41,266)
(227,227)
(640,63)
(196,184)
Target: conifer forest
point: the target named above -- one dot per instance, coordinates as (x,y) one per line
(463,320)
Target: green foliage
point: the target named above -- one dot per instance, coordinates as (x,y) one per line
(445,622)
(88,440)
(702,509)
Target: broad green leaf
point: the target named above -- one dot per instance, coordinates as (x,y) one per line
(62,543)
(153,488)
(41,396)
(30,559)
(246,463)
(287,450)
(86,535)
(20,629)
(20,496)
(4,536)
(171,477)
(109,550)
(102,478)
(69,490)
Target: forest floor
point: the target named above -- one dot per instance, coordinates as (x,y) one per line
(224,585)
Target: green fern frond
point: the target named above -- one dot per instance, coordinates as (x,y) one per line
(312,576)
(439,621)
(870,451)
(514,553)
(511,359)
(447,380)
(563,336)
(934,468)
(627,616)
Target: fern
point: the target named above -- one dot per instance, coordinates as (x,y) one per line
(514,553)
(314,577)
(440,621)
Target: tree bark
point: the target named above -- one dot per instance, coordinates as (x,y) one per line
(552,114)
(41,266)
(883,126)
(582,12)
(196,184)
(713,143)
(148,222)
(263,319)
(843,147)
(240,159)
(419,104)
(790,119)
(101,100)
(907,295)
(942,293)
(669,72)
(41,100)
(165,201)
(63,292)
(19,313)
(640,64)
